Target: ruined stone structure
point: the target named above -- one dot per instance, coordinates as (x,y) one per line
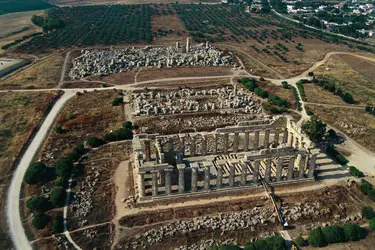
(273,151)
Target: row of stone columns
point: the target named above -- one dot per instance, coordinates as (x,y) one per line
(301,160)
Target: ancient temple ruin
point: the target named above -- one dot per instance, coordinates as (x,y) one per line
(273,151)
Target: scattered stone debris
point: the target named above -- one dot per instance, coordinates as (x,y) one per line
(105,62)
(207,244)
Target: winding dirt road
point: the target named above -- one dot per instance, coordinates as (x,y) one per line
(16,229)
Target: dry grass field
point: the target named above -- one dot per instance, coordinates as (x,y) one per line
(20,114)
(316,94)
(353,74)
(104,2)
(43,74)
(356,123)
(83,116)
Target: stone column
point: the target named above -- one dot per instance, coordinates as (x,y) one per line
(194,177)
(206,177)
(244,173)
(154,182)
(182,144)
(256,171)
(285,136)
(256,139)
(225,142)
(276,137)
(296,142)
(181,178)
(141,184)
(290,139)
(267,174)
(168,180)
(302,164)
(301,143)
(232,174)
(170,143)
(214,143)
(192,145)
(246,141)
(290,168)
(279,169)
(312,165)
(147,149)
(235,142)
(158,142)
(204,144)
(219,179)
(266,138)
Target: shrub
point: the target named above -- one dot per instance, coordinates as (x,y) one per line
(260,92)
(372,224)
(365,187)
(117,101)
(332,133)
(35,173)
(63,167)
(269,243)
(372,195)
(95,142)
(300,241)
(261,78)
(76,153)
(316,238)
(355,172)
(40,221)
(38,204)
(333,234)
(128,125)
(354,232)
(296,97)
(62,182)
(348,98)
(285,84)
(58,196)
(331,151)
(368,212)
(310,73)
(58,224)
(59,129)
(109,137)
(301,89)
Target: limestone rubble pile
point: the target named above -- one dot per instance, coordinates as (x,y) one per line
(105,62)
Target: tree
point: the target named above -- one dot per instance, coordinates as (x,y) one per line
(128,125)
(117,101)
(348,98)
(368,212)
(110,137)
(76,153)
(316,238)
(365,187)
(58,224)
(332,133)
(300,241)
(355,172)
(333,234)
(285,84)
(58,196)
(372,224)
(63,167)
(261,78)
(40,221)
(314,128)
(123,134)
(95,142)
(372,195)
(38,204)
(35,173)
(269,243)
(310,74)
(354,232)
(228,247)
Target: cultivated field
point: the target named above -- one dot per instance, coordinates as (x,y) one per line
(7,6)
(43,74)
(21,114)
(104,2)
(352,74)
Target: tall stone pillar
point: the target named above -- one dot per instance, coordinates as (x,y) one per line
(192,145)
(312,165)
(266,138)
(204,144)
(290,139)
(219,179)
(232,173)
(187,45)
(256,172)
(225,142)
(147,149)
(181,178)
(182,144)
(256,139)
(301,143)
(285,136)
(267,174)
(276,137)
(246,141)
(170,143)
(158,142)
(296,142)
(214,143)
(194,177)
(235,142)
(154,182)
(279,169)
(244,173)
(207,166)
(290,168)
(302,164)
(141,184)
(168,180)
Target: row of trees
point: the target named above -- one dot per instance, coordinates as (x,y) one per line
(48,24)
(329,85)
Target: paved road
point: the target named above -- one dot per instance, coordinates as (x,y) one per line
(13,213)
